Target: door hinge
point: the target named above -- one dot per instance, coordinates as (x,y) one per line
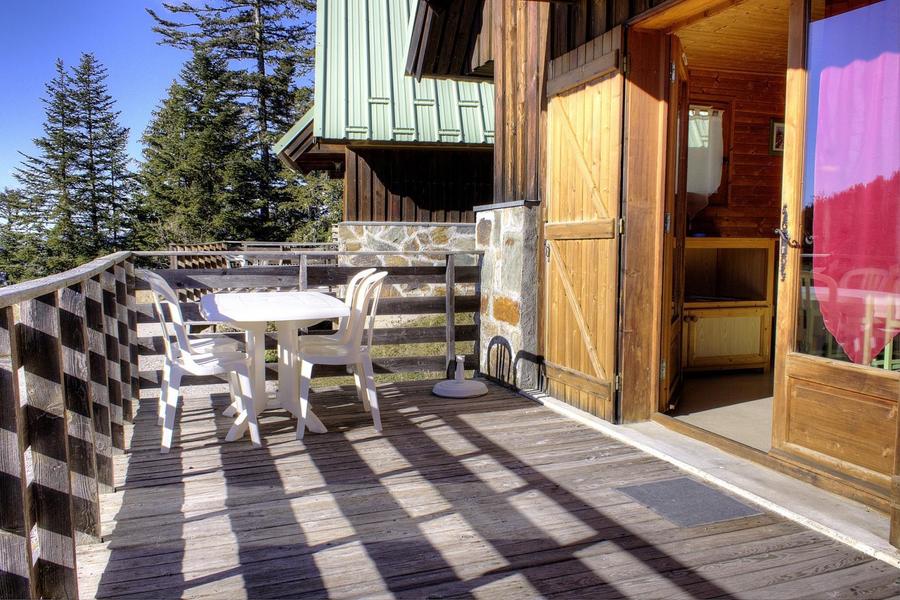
(625,65)
(667,223)
(617,383)
(662,371)
(672,72)
(620,226)
(547,251)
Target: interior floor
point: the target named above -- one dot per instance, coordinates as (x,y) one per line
(737,406)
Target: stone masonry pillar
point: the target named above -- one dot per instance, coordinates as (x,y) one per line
(508,235)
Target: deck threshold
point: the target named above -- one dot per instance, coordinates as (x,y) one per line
(839,518)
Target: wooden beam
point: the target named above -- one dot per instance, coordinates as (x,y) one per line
(582,230)
(595,69)
(17,572)
(46,456)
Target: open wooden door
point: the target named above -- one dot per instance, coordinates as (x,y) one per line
(584,133)
(674,229)
(836,387)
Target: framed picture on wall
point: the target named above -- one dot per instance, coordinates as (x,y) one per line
(776,137)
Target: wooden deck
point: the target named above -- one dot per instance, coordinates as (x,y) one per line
(492,497)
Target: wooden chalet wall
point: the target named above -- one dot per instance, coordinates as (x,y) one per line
(416,185)
(525,35)
(754,177)
(520,102)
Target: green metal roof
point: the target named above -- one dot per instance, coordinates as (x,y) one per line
(363,94)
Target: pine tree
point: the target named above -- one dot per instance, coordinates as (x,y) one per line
(196,173)
(21,240)
(268,44)
(48,179)
(103,181)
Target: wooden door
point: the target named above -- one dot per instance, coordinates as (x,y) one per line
(674,228)
(831,416)
(584,133)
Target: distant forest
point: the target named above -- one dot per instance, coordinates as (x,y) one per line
(207,171)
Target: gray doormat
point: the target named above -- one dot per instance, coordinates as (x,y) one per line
(688,503)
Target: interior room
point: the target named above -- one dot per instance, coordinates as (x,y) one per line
(733,61)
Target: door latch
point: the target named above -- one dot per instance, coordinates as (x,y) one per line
(786,242)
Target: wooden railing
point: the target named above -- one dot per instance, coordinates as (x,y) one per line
(69,381)
(68,384)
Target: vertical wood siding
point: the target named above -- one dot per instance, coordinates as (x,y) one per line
(754,175)
(437,186)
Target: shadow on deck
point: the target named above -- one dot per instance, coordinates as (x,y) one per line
(494,496)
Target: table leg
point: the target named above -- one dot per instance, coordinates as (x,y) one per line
(289,375)
(256,350)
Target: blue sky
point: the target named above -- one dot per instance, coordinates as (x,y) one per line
(34,33)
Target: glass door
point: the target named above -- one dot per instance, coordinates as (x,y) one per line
(837,355)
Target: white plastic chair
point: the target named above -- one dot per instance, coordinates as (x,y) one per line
(339,335)
(195,357)
(352,349)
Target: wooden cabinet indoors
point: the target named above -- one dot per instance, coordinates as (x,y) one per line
(728,303)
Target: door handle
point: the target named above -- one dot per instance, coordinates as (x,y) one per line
(786,242)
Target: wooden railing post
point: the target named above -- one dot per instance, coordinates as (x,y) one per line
(124,341)
(304,272)
(131,322)
(450,302)
(49,518)
(17,573)
(113,367)
(79,413)
(97,361)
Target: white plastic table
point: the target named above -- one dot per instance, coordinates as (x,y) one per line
(289,311)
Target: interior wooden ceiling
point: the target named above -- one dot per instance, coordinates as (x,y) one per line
(747,35)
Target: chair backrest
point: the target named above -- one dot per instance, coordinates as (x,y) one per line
(365,306)
(164,294)
(352,287)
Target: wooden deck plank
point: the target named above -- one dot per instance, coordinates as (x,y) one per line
(489,497)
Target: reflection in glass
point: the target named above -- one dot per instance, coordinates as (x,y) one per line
(850,295)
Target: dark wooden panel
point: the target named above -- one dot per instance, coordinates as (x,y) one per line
(451,39)
(520,54)
(422,185)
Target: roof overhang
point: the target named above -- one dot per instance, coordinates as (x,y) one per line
(301,151)
(451,39)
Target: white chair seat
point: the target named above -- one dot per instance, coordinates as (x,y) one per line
(205,344)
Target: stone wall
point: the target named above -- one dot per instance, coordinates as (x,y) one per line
(404,237)
(408,237)
(508,235)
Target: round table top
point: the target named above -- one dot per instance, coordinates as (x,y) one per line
(256,307)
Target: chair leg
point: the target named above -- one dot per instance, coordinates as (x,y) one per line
(172,389)
(305,376)
(360,381)
(163,391)
(234,391)
(244,403)
(372,392)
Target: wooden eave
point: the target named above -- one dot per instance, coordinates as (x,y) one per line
(305,153)
(451,40)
